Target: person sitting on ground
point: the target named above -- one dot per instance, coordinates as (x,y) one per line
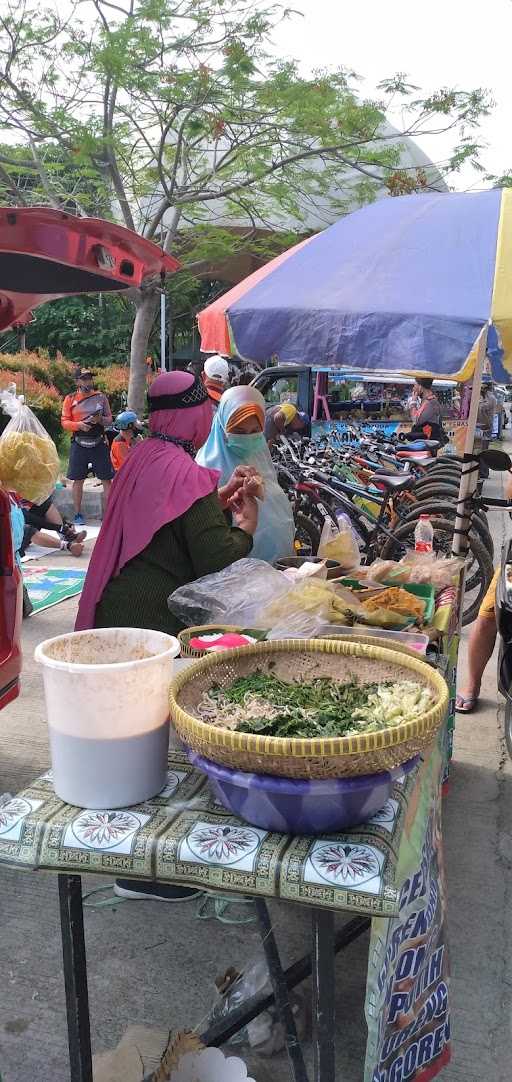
(215,377)
(129,428)
(164,525)
(283,420)
(46,516)
(236,439)
(49,541)
(427,416)
(86,414)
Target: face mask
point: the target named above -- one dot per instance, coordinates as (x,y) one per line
(246,444)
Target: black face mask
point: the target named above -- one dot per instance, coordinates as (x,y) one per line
(85,388)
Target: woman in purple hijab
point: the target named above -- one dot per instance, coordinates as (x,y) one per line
(164,525)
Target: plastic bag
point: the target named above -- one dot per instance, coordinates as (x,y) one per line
(235,595)
(311,596)
(300,625)
(29,463)
(265,1033)
(418,567)
(340,543)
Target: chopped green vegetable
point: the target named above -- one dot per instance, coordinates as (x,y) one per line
(261,703)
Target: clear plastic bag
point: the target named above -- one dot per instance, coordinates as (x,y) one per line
(29,463)
(235,595)
(311,598)
(418,567)
(265,1033)
(340,543)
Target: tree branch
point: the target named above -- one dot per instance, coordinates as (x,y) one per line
(11,187)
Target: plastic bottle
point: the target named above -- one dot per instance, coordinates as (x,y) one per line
(424,535)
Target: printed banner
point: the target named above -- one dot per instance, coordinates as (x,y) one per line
(407,1001)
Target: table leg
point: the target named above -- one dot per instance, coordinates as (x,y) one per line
(323,994)
(75,977)
(281,993)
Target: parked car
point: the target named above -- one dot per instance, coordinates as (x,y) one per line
(46,254)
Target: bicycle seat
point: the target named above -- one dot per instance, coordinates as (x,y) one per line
(419,445)
(391,482)
(421,458)
(384,472)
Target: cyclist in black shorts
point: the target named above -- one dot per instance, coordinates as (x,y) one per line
(86,414)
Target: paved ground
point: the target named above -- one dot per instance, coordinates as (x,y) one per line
(154,964)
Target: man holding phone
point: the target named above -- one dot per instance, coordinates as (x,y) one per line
(86,414)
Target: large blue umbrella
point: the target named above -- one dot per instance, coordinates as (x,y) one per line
(404,284)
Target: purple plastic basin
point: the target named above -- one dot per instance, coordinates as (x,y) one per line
(297,806)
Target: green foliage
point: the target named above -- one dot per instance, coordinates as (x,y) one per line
(89,329)
(176,118)
(45,381)
(162,105)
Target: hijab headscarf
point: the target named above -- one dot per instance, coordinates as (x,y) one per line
(225,450)
(158,483)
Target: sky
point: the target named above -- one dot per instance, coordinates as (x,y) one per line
(439,43)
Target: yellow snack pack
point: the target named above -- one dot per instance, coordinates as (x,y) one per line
(29,463)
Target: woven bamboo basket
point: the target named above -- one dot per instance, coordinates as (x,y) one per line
(202,629)
(337,757)
(184,637)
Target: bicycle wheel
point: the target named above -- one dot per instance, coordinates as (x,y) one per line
(307,535)
(479,569)
(441,492)
(432,508)
(440,477)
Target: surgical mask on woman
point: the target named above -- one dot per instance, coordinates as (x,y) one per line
(245,444)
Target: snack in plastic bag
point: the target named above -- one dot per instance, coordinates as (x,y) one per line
(234,595)
(29,463)
(419,568)
(340,543)
(311,596)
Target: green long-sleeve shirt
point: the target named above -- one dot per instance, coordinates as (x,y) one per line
(195,544)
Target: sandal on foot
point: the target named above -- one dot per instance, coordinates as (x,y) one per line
(465,704)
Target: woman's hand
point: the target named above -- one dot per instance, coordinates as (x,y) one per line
(245,511)
(244,478)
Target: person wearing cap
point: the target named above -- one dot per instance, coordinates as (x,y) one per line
(86,414)
(129,427)
(215,377)
(282,420)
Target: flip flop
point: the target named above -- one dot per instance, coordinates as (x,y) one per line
(465,704)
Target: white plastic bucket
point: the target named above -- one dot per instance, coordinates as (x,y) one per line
(107,707)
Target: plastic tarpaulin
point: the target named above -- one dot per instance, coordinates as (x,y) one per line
(402,285)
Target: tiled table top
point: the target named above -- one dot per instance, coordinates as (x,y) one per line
(184,836)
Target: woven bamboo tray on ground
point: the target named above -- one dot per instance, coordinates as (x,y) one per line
(338,757)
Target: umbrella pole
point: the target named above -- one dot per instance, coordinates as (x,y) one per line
(470,469)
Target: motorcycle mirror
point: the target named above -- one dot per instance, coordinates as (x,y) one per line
(496,460)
